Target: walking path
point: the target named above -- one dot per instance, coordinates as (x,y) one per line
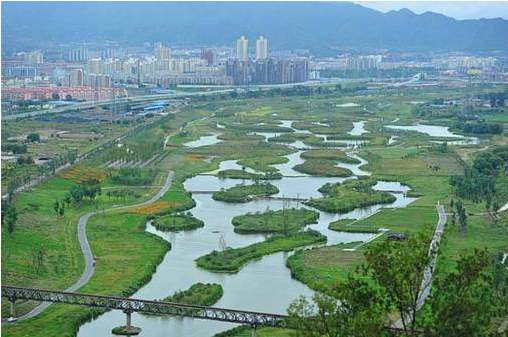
(87,251)
(431,266)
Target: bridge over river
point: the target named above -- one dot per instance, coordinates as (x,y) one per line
(130,305)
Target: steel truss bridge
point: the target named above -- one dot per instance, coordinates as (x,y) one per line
(130,305)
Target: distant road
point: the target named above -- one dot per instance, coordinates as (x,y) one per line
(87,251)
(148,98)
(133,99)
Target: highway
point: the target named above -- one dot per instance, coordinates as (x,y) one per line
(87,251)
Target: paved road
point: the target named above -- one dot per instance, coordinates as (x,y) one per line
(87,251)
(429,270)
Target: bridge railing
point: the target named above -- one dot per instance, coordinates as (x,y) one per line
(252,318)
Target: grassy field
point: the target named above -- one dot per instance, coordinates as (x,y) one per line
(323,267)
(126,259)
(232,260)
(287,220)
(245,193)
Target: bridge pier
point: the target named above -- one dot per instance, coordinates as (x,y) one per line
(127,329)
(254,331)
(14,308)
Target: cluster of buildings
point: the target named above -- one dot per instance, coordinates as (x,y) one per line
(263,70)
(91,71)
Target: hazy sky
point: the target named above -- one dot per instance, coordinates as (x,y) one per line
(454,9)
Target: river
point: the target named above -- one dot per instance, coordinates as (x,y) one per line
(263,285)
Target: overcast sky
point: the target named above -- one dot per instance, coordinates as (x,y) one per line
(455,9)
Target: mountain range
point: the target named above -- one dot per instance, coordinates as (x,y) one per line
(321,27)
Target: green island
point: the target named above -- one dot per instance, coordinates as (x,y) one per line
(329,154)
(245,193)
(203,294)
(322,168)
(263,163)
(344,197)
(281,221)
(177,222)
(240,174)
(231,260)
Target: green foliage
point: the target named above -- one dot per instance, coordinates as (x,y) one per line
(399,267)
(14,148)
(232,260)
(33,137)
(132,176)
(281,221)
(479,180)
(177,222)
(462,302)
(9,216)
(245,193)
(357,307)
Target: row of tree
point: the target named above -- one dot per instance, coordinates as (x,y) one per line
(480,127)
(462,302)
(479,180)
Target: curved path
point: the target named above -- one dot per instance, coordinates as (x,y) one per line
(87,251)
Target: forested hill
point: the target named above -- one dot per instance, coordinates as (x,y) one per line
(321,27)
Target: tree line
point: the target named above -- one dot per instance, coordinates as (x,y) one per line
(386,288)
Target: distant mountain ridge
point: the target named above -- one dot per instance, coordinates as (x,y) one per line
(318,26)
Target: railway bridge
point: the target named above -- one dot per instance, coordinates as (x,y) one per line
(130,305)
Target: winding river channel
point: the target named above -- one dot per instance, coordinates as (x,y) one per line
(262,285)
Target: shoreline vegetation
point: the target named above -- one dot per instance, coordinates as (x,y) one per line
(231,260)
(245,193)
(281,221)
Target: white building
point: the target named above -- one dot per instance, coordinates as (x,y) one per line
(261,48)
(242,49)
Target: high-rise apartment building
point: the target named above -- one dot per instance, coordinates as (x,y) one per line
(163,56)
(76,78)
(34,57)
(261,48)
(77,55)
(95,66)
(242,49)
